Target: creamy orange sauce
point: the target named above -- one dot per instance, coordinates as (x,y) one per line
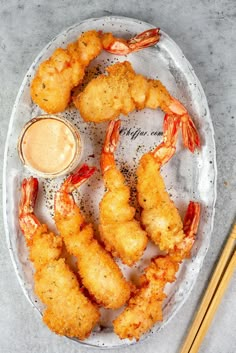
(48,146)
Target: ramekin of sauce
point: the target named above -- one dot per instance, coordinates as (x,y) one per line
(50,146)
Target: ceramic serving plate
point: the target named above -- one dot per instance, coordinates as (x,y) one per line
(188,176)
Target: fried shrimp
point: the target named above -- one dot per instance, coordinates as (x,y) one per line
(99,272)
(68,311)
(122,91)
(164,226)
(56,77)
(159,215)
(145,308)
(120,232)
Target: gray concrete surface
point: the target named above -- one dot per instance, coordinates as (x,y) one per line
(205,30)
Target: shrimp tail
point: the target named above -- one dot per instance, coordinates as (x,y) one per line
(29,191)
(190,135)
(28,221)
(190,227)
(166,149)
(143,40)
(82,174)
(77,178)
(110,145)
(64,201)
(191,219)
(112,137)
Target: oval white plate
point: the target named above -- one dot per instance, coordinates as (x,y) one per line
(188,176)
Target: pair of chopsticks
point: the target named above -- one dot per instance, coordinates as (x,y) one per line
(214,293)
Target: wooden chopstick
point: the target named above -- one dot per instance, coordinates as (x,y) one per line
(215,280)
(214,304)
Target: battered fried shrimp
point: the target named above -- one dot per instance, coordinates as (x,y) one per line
(68,312)
(99,272)
(65,69)
(120,232)
(159,215)
(145,308)
(122,91)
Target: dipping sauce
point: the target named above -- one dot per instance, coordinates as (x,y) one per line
(50,145)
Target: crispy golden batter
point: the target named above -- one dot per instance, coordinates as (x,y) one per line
(120,92)
(99,272)
(145,308)
(68,311)
(159,215)
(64,70)
(120,232)
(44,247)
(164,226)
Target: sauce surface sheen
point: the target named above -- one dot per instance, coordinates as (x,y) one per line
(48,146)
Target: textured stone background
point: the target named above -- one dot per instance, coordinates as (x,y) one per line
(205,31)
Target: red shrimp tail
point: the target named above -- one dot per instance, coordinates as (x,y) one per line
(107,160)
(145,39)
(192,217)
(27,219)
(29,192)
(82,174)
(166,149)
(190,227)
(112,137)
(190,135)
(140,41)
